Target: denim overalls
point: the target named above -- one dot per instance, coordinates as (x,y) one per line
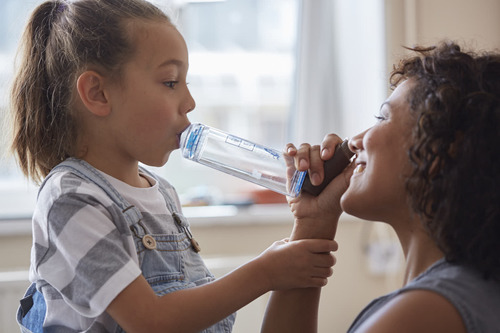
(168,262)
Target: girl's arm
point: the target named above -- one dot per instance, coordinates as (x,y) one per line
(285,264)
(296,310)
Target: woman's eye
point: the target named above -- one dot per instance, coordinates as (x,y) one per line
(380,117)
(171,84)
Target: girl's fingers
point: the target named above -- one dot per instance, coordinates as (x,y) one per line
(319,245)
(323,272)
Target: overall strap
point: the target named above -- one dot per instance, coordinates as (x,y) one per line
(89,173)
(179,218)
(168,200)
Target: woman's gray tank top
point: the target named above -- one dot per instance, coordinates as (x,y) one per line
(476,299)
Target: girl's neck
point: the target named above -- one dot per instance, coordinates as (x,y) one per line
(126,172)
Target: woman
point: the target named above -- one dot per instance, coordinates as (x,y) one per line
(429,168)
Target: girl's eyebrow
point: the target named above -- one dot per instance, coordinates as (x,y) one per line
(176,62)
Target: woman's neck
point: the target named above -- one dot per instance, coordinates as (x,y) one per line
(420,250)
(419,258)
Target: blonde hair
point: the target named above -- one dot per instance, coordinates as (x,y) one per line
(61,40)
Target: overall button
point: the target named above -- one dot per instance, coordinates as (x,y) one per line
(149,242)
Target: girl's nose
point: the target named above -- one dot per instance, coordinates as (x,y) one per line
(190,103)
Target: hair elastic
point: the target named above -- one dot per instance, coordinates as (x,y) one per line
(61,7)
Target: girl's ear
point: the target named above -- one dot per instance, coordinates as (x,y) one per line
(90,86)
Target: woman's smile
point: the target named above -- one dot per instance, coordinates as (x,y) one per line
(360,168)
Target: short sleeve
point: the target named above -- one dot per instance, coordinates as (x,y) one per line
(80,249)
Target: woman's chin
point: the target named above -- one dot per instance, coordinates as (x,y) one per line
(351,203)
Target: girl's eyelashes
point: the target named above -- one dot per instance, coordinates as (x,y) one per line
(380,117)
(171,84)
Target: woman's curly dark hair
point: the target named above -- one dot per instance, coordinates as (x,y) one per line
(455,183)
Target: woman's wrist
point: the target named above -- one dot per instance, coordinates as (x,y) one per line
(310,228)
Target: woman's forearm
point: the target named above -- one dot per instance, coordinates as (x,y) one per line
(296,310)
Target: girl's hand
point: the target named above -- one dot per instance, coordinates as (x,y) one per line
(297,264)
(317,216)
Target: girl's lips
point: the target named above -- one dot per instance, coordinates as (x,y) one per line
(180,134)
(179,140)
(185,128)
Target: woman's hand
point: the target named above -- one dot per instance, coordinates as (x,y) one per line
(317,216)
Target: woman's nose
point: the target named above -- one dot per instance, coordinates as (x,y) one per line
(356,142)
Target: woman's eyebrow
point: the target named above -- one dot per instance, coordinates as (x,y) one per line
(386,103)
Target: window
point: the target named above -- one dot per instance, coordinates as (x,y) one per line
(242,62)
(272,72)
(241,74)
(17,195)
(279,71)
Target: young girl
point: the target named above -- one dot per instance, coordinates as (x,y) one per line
(101,87)
(429,168)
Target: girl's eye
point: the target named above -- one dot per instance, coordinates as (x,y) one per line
(171,84)
(380,118)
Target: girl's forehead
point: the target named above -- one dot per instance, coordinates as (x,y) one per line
(152,31)
(156,42)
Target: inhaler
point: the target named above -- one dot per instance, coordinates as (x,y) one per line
(256,163)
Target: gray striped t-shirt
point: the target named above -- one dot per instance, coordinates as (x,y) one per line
(83,252)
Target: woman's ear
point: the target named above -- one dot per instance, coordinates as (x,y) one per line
(90,86)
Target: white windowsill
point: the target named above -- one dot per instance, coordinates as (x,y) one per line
(198,216)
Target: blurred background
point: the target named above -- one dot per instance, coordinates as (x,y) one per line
(273,72)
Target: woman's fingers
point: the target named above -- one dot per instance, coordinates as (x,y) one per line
(330,141)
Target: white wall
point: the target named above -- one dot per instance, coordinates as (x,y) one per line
(472,23)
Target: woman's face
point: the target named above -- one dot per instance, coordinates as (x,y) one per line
(377,188)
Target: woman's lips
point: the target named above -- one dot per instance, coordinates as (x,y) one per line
(359,168)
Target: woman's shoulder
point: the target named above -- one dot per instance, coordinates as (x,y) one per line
(447,297)
(457,281)
(460,288)
(414,311)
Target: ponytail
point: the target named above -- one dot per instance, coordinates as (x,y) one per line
(41,125)
(62,40)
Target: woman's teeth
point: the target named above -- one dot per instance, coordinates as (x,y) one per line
(359,168)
